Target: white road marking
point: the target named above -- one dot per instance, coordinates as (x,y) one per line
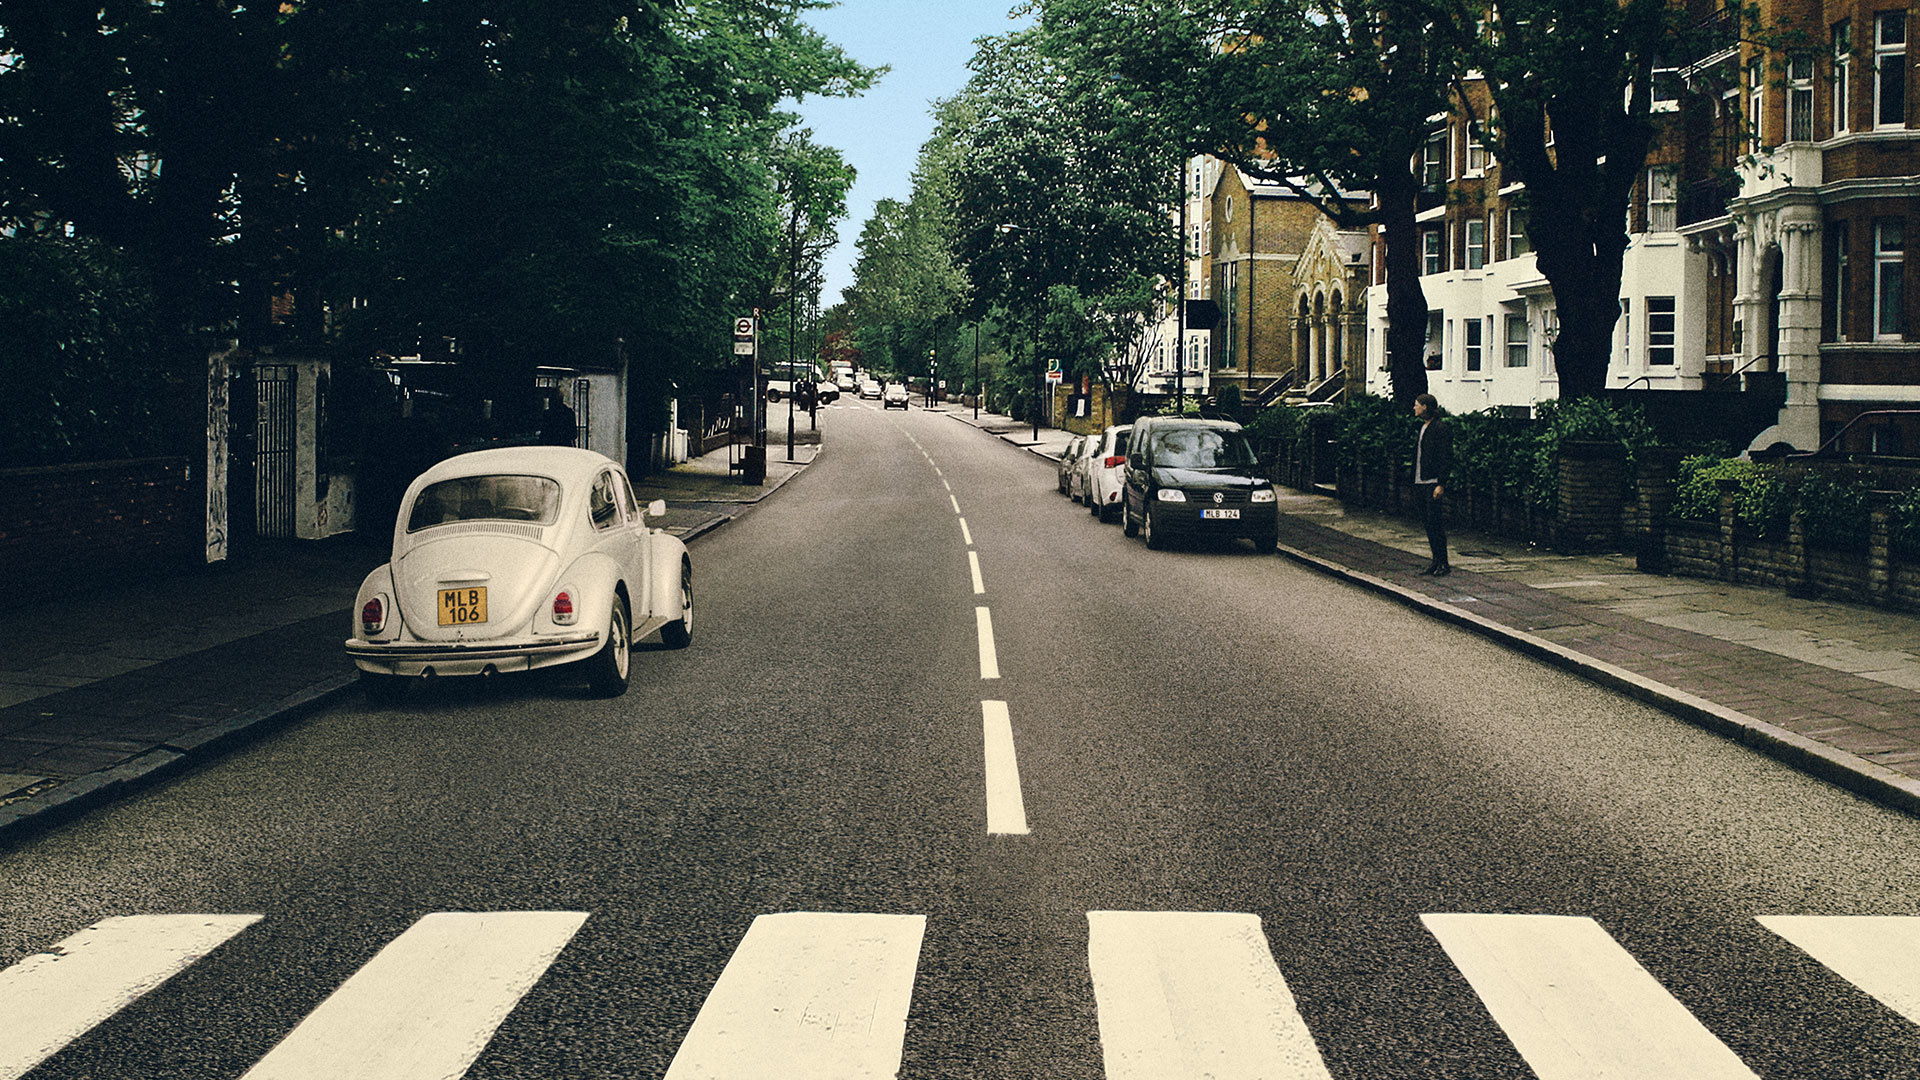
(943,482)
(52,998)
(1575,1004)
(1194,994)
(1006,810)
(973,564)
(1880,954)
(427,1004)
(808,996)
(956,502)
(989,660)
(966,533)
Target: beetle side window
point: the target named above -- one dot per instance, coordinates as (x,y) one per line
(627,497)
(603,503)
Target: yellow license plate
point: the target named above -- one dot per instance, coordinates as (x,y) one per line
(460,607)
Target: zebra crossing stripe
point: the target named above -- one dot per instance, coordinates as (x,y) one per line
(1575,1004)
(54,997)
(427,1004)
(1194,994)
(1880,954)
(808,996)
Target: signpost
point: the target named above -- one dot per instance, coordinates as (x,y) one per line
(746,343)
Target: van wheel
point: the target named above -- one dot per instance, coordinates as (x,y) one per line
(679,634)
(608,669)
(1127,525)
(1155,541)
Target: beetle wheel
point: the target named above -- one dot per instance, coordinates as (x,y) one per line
(608,669)
(679,634)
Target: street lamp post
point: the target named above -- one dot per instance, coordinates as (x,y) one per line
(976,369)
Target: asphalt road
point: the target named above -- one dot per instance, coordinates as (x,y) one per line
(1211,736)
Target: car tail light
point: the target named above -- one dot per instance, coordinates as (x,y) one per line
(373,616)
(563,608)
(1114,462)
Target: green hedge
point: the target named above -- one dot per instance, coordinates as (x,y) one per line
(1834,506)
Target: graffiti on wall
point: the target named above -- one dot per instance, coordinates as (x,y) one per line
(219,371)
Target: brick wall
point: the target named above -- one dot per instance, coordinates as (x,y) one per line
(63,525)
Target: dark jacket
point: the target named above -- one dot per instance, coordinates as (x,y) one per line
(1433,459)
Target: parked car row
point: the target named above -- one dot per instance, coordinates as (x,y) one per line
(1167,478)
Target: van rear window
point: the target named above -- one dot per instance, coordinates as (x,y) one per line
(486,498)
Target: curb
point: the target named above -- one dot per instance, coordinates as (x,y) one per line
(1027,446)
(73,797)
(1835,766)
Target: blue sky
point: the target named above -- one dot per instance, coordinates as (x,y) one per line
(927,43)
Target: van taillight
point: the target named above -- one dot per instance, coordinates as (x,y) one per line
(1114,462)
(373,617)
(563,608)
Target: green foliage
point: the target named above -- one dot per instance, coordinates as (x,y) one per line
(1494,451)
(1375,431)
(1761,503)
(1582,420)
(1279,425)
(1833,510)
(1906,524)
(84,380)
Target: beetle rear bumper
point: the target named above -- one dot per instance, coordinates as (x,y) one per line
(469,658)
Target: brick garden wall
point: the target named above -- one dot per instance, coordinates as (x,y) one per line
(108,521)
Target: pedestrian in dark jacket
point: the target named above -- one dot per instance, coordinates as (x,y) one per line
(1432,459)
(558,425)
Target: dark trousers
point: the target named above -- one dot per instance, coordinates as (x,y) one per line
(1434,512)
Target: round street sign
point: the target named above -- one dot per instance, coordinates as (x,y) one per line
(743,327)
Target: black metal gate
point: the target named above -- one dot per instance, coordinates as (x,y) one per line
(273,439)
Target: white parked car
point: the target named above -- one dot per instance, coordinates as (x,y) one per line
(1105,471)
(520,558)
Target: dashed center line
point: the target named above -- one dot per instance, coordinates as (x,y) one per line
(966,533)
(973,563)
(956,502)
(1006,811)
(989,660)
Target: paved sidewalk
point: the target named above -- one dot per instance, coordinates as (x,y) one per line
(113,687)
(1832,688)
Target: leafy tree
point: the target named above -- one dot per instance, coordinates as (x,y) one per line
(1328,98)
(1572,119)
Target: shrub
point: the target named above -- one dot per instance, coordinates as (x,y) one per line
(1834,510)
(1376,430)
(1906,524)
(1761,503)
(1583,420)
(1493,451)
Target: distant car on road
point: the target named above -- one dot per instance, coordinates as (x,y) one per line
(1196,478)
(896,396)
(521,558)
(828,393)
(870,391)
(1105,470)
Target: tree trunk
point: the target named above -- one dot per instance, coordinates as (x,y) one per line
(1584,267)
(1406,300)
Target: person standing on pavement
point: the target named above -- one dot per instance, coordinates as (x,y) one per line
(1432,458)
(558,425)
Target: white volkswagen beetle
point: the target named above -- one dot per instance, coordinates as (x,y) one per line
(520,558)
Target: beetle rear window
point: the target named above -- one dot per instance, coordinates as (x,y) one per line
(486,498)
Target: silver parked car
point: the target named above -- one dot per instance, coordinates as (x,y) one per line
(1068,459)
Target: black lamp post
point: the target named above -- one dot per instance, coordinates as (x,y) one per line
(976,370)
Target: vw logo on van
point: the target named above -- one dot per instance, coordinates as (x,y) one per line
(1219,497)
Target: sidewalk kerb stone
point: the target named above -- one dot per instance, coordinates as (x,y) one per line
(1836,766)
